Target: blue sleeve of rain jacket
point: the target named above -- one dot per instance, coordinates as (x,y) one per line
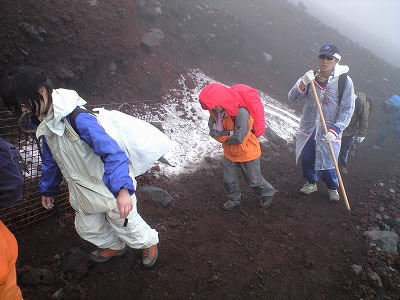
(295,94)
(49,184)
(116,163)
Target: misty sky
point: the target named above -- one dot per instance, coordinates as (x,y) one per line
(379,17)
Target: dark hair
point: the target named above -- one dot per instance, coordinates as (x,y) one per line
(21,86)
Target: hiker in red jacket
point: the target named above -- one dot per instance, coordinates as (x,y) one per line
(233,124)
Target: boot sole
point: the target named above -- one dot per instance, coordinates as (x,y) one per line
(230,208)
(303,193)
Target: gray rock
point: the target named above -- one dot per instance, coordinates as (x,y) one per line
(149,10)
(274,137)
(153,38)
(93,2)
(121,12)
(59,294)
(158,125)
(386,240)
(64,73)
(356,269)
(268,58)
(74,259)
(158,195)
(112,67)
(375,279)
(35,32)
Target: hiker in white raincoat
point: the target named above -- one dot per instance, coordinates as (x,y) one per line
(312,143)
(101,185)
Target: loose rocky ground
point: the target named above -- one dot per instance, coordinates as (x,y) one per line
(302,247)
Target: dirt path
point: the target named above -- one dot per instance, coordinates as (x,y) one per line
(301,247)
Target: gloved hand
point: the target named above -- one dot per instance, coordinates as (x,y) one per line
(330,136)
(217,133)
(308,77)
(359,139)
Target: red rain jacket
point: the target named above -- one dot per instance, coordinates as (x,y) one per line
(238,95)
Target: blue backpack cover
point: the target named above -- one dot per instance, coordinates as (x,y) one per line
(395,101)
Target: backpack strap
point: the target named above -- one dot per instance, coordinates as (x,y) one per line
(74,114)
(341,85)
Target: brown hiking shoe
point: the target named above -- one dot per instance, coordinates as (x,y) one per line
(150,256)
(103,255)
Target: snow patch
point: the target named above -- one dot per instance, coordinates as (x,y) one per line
(185,122)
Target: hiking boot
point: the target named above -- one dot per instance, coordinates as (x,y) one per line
(376,147)
(150,256)
(266,201)
(344,170)
(229,205)
(333,195)
(103,255)
(308,188)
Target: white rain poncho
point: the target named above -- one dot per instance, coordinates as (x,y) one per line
(334,115)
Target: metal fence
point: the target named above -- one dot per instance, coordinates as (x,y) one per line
(29,211)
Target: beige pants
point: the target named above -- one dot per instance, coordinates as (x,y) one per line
(106,230)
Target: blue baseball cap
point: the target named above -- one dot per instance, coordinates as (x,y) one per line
(330,50)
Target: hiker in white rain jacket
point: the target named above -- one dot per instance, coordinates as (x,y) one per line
(100,182)
(312,143)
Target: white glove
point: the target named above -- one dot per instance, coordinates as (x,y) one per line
(330,136)
(308,77)
(359,139)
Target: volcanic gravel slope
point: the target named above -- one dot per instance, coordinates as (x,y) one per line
(302,247)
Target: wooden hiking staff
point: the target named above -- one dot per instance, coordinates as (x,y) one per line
(330,145)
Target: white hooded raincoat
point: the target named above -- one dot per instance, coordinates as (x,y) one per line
(335,113)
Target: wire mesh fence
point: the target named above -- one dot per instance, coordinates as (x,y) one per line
(29,212)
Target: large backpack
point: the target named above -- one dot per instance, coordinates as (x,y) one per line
(250,99)
(142,142)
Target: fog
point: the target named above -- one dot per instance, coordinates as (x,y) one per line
(374,24)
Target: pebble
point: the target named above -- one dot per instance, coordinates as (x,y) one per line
(357,269)
(375,279)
